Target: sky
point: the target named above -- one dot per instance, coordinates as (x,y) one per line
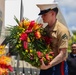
(12,7)
(68,8)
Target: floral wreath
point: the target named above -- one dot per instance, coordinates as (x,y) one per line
(31,41)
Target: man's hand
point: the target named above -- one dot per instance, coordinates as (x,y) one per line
(43,66)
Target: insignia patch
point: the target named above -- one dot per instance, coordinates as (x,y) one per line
(64,36)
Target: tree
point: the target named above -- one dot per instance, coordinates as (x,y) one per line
(73,39)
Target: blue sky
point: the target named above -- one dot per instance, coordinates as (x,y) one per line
(12,7)
(68,9)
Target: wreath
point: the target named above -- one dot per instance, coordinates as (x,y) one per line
(30,40)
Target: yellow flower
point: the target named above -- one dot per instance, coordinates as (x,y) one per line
(19,34)
(28,39)
(26,51)
(2,52)
(2,49)
(31,50)
(2,46)
(51,57)
(26,23)
(44,58)
(5,59)
(17,46)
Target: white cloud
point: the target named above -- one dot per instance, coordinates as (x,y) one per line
(68,8)
(73,28)
(72,16)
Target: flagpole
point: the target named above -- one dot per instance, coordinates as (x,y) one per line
(21,16)
(21,11)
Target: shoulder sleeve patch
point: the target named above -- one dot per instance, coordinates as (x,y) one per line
(64,36)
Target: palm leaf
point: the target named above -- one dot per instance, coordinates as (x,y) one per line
(16,20)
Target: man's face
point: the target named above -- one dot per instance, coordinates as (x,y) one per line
(74,48)
(47,17)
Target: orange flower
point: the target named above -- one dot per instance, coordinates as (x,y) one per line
(3,71)
(4,60)
(26,23)
(36,26)
(37,35)
(2,46)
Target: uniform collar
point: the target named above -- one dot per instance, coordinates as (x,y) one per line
(54,27)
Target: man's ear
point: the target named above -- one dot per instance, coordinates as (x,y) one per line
(52,12)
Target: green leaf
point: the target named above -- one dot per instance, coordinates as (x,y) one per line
(16,19)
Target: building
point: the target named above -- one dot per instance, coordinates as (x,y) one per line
(2,20)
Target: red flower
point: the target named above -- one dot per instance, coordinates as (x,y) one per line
(51,53)
(47,57)
(25,45)
(32,23)
(23,36)
(28,31)
(10,68)
(47,39)
(39,54)
(3,65)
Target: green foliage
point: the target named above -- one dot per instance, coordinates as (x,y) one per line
(73,39)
